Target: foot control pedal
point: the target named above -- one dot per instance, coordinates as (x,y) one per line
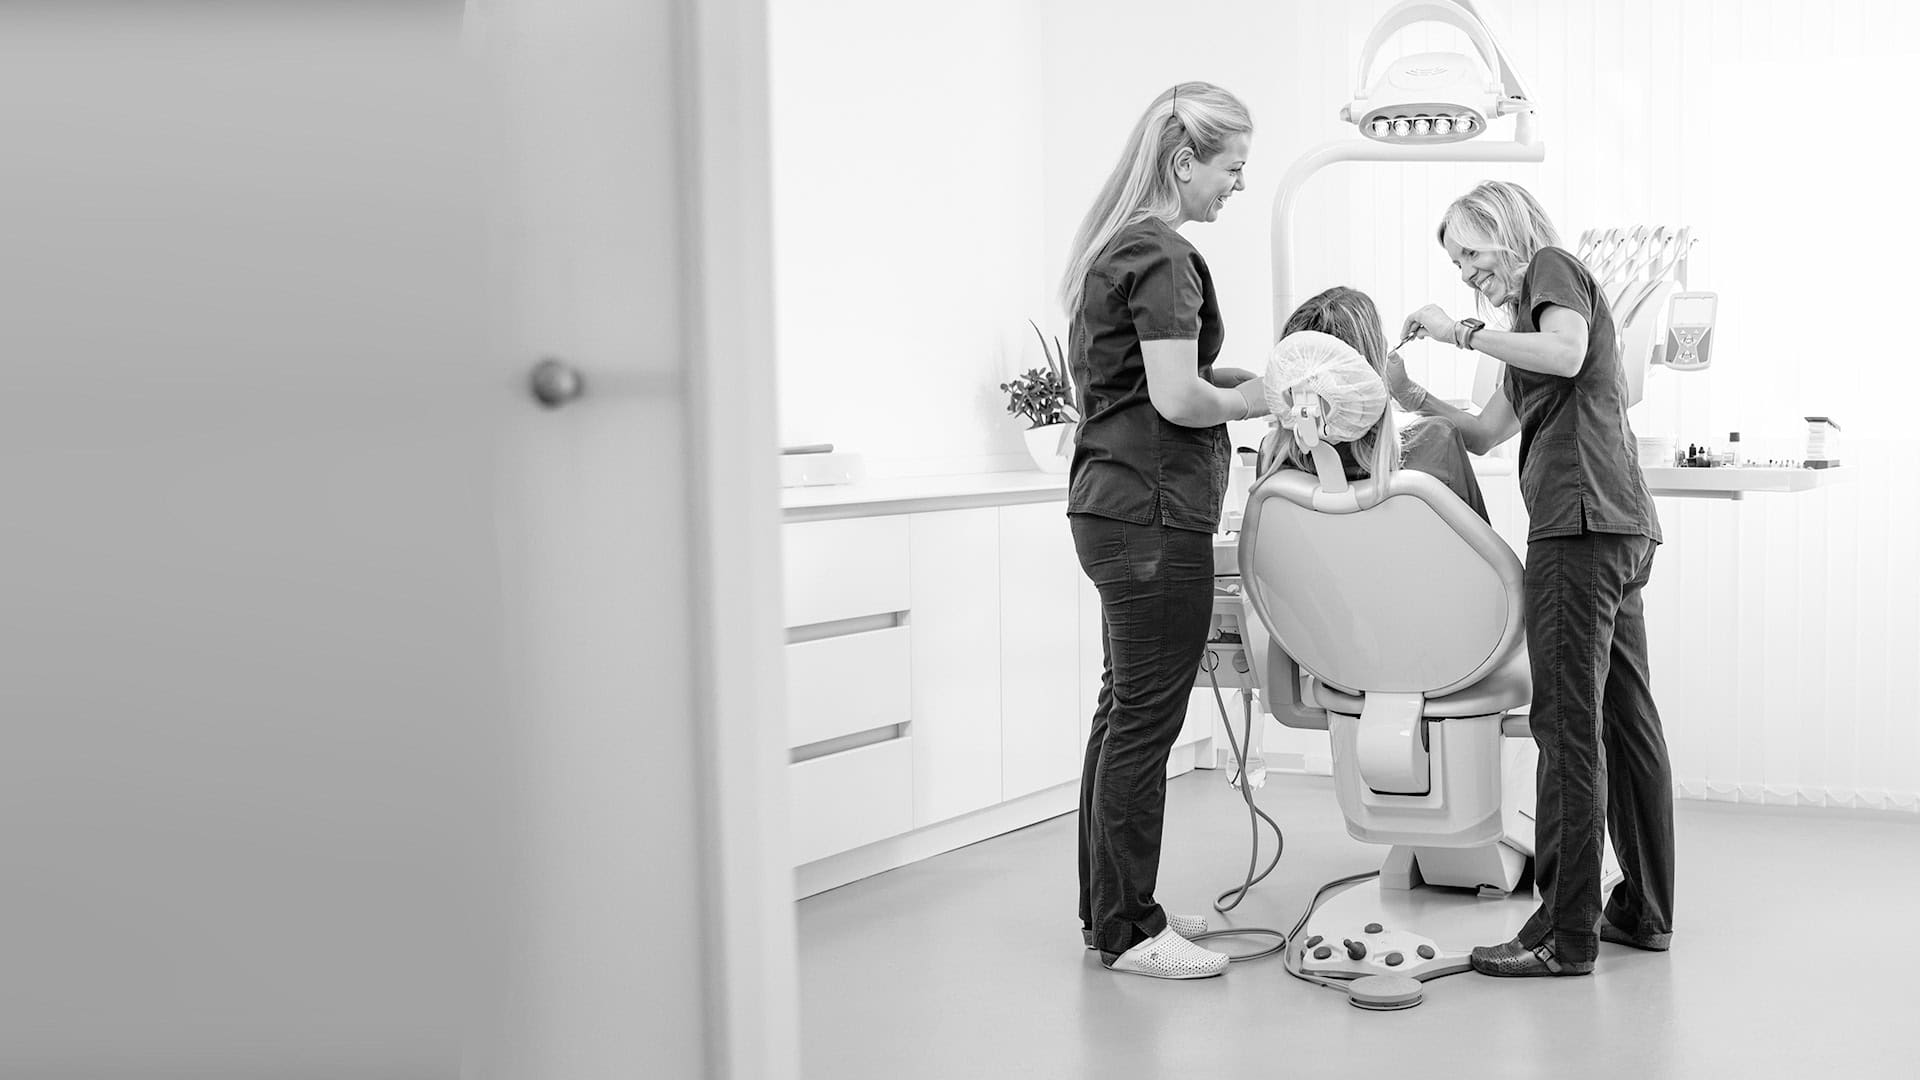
(1384,993)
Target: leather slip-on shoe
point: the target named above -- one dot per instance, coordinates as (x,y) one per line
(1512,960)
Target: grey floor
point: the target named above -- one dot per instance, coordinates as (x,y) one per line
(1796,953)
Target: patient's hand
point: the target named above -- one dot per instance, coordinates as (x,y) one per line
(1407,393)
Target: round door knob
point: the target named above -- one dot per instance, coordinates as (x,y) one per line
(555,383)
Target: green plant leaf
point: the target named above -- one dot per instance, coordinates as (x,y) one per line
(1043,395)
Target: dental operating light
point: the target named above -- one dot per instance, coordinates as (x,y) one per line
(1433,97)
(1431,106)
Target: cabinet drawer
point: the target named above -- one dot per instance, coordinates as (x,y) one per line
(844,800)
(845,685)
(844,569)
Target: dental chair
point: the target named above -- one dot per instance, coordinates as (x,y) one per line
(1392,618)
(1387,613)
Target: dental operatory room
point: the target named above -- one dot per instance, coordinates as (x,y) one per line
(1041,653)
(1001,539)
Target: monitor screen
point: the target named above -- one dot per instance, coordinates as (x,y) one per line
(1693,309)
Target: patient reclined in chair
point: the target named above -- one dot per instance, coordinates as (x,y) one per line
(1430,445)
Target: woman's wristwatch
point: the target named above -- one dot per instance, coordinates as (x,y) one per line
(1464,330)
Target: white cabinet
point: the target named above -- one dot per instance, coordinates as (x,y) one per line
(955,619)
(1040,674)
(846,685)
(847,680)
(855,797)
(942,668)
(843,569)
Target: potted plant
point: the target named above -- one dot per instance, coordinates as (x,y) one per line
(1045,397)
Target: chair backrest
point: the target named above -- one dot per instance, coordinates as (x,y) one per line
(1412,593)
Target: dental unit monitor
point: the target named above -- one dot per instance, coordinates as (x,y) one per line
(1690,330)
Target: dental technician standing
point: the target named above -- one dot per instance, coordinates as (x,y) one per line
(1590,547)
(1148,478)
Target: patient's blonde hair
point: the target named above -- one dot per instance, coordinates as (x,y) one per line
(1504,218)
(1142,184)
(1348,314)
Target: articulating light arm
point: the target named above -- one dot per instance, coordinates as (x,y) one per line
(1523,149)
(1433,140)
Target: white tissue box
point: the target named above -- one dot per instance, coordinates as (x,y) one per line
(820,470)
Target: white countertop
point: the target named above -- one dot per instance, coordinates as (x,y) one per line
(1732,483)
(918,494)
(914,494)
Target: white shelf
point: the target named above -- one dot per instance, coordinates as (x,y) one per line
(1733,483)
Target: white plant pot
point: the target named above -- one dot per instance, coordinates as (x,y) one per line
(1051,447)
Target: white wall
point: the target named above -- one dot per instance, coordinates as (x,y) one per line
(908,227)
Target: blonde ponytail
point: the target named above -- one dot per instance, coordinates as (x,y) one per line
(1142,185)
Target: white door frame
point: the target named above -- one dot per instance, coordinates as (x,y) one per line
(740,910)
(735,519)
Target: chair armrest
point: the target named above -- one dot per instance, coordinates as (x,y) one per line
(1283,692)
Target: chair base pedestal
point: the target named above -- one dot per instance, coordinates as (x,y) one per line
(1492,869)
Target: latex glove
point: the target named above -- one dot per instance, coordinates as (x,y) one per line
(1408,394)
(1227,378)
(1431,322)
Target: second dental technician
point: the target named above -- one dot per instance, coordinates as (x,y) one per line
(1590,546)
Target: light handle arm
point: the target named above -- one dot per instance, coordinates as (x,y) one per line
(1410,12)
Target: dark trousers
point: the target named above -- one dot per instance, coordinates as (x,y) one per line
(1603,756)
(1156,603)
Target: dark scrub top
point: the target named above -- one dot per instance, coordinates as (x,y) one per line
(1579,460)
(1131,464)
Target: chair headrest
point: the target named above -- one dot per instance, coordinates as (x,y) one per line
(1308,366)
(1323,391)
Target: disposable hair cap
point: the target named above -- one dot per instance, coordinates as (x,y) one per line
(1308,361)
